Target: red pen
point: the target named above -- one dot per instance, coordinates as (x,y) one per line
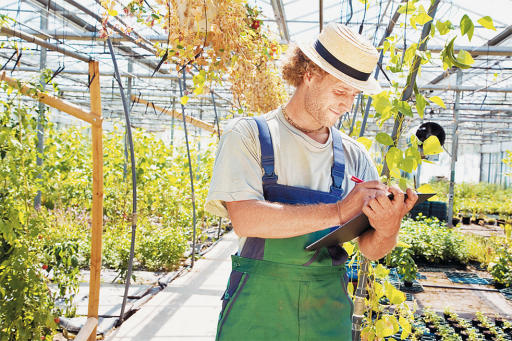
(356,180)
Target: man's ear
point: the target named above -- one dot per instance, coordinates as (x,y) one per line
(308,76)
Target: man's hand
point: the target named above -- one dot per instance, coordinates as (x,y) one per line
(359,197)
(385,216)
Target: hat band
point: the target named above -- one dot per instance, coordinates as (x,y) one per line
(339,65)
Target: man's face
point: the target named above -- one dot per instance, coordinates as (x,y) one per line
(328,98)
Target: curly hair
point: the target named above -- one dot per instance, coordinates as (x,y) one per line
(296,64)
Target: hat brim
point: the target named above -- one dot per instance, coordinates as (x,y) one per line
(369,87)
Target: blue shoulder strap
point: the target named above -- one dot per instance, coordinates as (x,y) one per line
(267,151)
(338,167)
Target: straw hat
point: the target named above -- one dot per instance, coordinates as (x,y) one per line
(346,55)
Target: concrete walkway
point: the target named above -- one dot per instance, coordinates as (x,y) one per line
(188,309)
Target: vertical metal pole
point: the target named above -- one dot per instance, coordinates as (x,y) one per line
(172,122)
(321,13)
(218,137)
(41,109)
(369,101)
(455,142)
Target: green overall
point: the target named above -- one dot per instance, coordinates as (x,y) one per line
(279,291)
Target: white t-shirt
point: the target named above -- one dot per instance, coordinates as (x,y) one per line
(300,161)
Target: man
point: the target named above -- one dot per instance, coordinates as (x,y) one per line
(282,180)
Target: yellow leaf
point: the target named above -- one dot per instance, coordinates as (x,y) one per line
(184,100)
(431,146)
(487,22)
(366,142)
(437,100)
(349,247)
(112,12)
(425,188)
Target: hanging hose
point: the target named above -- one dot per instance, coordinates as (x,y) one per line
(134,181)
(182,90)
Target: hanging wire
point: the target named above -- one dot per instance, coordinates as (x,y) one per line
(364,17)
(134,181)
(183,84)
(351,13)
(378,20)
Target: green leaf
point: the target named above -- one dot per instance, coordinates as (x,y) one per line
(384,139)
(443,27)
(437,100)
(366,142)
(467,26)
(407,165)
(464,57)
(381,102)
(431,146)
(487,22)
(393,158)
(404,108)
(421,103)
(402,184)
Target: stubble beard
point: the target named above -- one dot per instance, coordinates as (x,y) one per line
(313,108)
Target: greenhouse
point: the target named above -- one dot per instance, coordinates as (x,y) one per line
(235,169)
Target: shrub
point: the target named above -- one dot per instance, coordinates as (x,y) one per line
(430,240)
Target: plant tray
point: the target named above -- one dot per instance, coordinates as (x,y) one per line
(466,278)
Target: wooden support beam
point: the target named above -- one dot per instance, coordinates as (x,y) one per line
(97,197)
(194,121)
(89,327)
(52,101)
(32,39)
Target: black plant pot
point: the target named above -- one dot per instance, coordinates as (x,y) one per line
(466,220)
(458,328)
(408,284)
(464,335)
(499,322)
(455,221)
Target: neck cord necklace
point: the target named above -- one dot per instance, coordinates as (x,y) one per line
(295,125)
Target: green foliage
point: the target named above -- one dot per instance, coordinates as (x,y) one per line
(401,258)
(501,269)
(26,306)
(479,199)
(466,26)
(431,241)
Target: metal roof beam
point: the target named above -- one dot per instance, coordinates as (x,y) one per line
(279,13)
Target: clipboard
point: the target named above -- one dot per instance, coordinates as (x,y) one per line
(353,228)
